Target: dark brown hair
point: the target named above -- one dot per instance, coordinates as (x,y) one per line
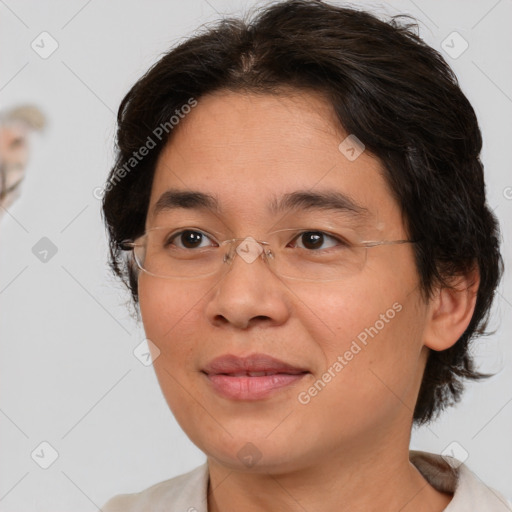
(387,87)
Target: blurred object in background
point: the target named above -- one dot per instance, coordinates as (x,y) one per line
(15,127)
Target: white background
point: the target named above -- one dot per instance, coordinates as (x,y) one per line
(67,372)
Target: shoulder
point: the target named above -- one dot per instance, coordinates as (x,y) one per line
(186,493)
(447,474)
(473,494)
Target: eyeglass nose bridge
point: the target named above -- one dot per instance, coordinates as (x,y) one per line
(248,249)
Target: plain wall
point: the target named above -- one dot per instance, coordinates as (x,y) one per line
(68,375)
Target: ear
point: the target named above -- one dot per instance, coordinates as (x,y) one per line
(450,310)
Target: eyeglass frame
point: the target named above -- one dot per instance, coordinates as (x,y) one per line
(130,245)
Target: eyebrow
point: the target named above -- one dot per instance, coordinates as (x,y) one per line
(321,200)
(301,199)
(189,199)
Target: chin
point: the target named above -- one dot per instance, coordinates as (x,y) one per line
(254,454)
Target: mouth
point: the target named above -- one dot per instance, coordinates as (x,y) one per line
(251,378)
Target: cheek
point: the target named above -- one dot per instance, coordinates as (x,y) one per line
(370,340)
(170,314)
(335,314)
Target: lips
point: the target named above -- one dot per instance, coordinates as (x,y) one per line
(256,363)
(251,378)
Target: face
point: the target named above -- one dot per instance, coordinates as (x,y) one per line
(350,350)
(13,157)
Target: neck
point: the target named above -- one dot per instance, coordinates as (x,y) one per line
(380,480)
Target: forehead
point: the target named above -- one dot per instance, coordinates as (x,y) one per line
(249,150)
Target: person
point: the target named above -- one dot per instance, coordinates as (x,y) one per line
(298,209)
(15,127)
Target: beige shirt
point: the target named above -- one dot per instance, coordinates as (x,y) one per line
(188,492)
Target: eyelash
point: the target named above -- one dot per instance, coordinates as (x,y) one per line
(339,240)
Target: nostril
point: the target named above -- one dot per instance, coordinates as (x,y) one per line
(260,318)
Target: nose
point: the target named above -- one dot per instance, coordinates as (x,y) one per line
(249,293)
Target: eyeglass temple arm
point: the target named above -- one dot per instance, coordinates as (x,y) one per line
(386,242)
(126,245)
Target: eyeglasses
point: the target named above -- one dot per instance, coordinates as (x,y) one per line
(189,253)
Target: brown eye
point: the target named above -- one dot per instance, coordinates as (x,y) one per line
(312,239)
(318,240)
(189,239)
